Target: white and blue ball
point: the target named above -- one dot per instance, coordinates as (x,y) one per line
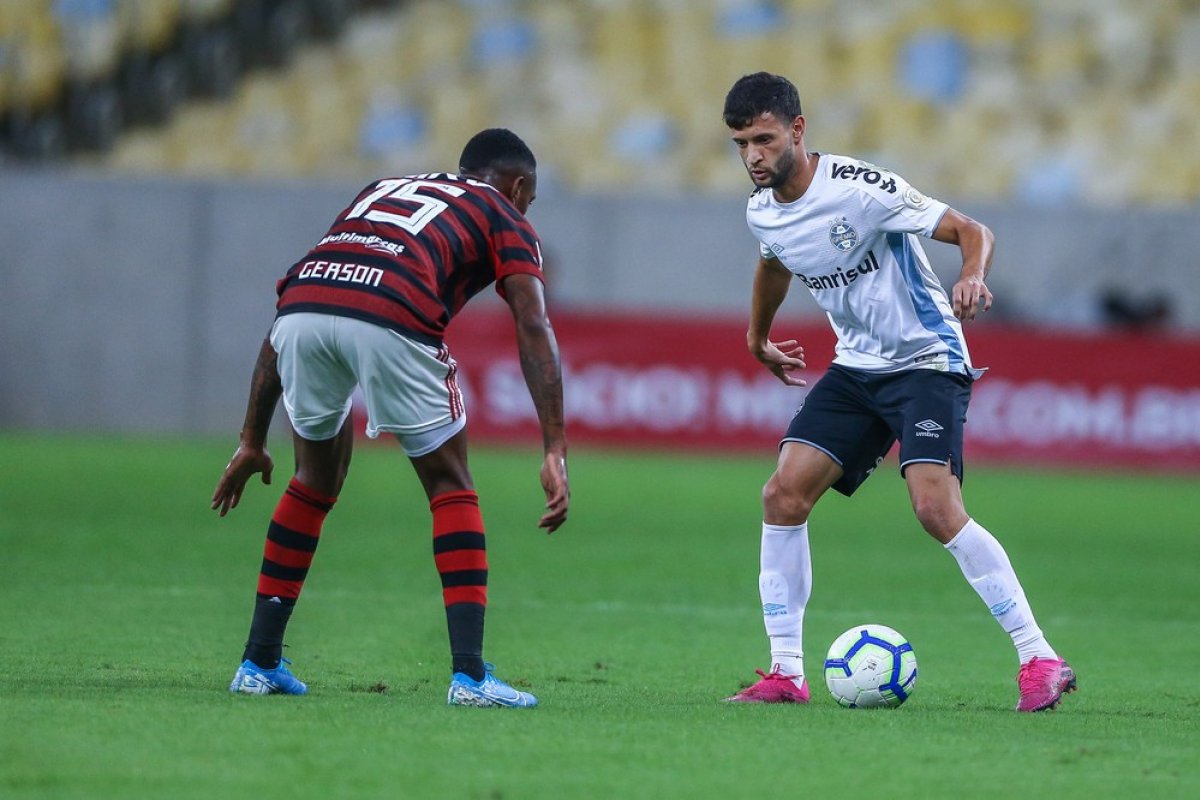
(871,666)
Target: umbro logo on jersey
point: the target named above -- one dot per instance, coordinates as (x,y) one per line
(928,427)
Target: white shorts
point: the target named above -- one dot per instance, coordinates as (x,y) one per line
(409,388)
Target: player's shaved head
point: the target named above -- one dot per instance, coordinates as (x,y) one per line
(758,94)
(496,150)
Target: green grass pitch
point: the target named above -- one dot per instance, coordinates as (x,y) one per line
(124,602)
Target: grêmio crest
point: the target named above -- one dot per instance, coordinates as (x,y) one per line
(842,235)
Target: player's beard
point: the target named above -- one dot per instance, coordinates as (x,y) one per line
(780,172)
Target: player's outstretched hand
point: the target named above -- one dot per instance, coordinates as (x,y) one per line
(558,491)
(783,359)
(971,295)
(245,462)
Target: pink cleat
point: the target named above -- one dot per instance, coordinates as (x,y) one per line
(1043,682)
(775,687)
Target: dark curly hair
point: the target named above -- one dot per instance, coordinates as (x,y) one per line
(759,93)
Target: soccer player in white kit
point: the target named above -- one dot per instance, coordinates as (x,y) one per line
(848,231)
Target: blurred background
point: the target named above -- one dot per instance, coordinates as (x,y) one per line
(1021,101)
(162,162)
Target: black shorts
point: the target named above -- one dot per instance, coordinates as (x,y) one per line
(855,417)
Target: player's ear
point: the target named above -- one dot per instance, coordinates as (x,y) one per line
(798,128)
(515,187)
(522,190)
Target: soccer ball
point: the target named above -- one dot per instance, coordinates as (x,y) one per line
(870,666)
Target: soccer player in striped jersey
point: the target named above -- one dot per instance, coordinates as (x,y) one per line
(848,231)
(368,307)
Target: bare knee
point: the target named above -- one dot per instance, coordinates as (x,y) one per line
(784,505)
(444,469)
(326,480)
(322,464)
(936,499)
(940,518)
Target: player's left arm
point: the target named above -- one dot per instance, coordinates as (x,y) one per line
(976,242)
(251,455)
(541,366)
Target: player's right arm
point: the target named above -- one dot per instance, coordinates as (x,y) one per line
(251,455)
(538,350)
(771,283)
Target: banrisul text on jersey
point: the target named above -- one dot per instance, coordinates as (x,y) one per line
(840,278)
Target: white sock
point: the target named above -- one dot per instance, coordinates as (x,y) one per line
(784,584)
(986,567)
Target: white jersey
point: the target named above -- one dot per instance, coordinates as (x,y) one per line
(851,238)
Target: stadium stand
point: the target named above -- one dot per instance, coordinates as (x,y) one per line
(1028,100)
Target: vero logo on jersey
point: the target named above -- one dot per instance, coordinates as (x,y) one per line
(866,173)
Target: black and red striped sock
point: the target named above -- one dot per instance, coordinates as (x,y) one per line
(460,553)
(291,543)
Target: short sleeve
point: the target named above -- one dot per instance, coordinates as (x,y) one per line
(906,210)
(515,247)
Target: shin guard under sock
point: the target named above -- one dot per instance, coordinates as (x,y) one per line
(291,543)
(460,554)
(785,585)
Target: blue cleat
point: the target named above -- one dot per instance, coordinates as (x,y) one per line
(491,691)
(253,679)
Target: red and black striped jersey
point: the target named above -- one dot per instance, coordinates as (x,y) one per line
(409,253)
